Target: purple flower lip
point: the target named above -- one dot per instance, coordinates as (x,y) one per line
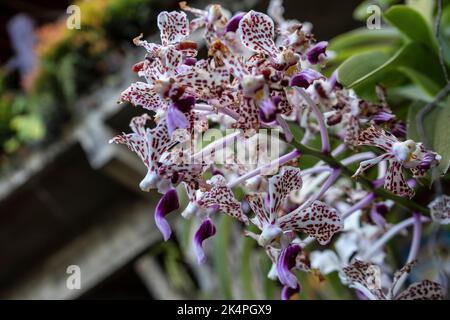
(268,111)
(288,292)
(185,104)
(317,52)
(305,78)
(382,208)
(334,82)
(382,117)
(285,263)
(190,61)
(175,119)
(399,129)
(168,203)
(377,214)
(233,23)
(205,231)
(427,161)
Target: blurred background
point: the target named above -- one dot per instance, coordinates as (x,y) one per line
(67,197)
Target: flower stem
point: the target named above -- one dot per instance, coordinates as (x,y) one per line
(413,251)
(273,164)
(364,202)
(320,120)
(391,233)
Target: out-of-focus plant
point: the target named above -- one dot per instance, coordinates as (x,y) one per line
(69,63)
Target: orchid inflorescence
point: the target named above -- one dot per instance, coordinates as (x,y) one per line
(262,72)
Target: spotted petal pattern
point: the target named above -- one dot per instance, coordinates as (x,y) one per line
(365,274)
(173,26)
(317,220)
(261,217)
(142,94)
(281,185)
(425,290)
(377,137)
(221,196)
(257,33)
(395,181)
(440,209)
(138,140)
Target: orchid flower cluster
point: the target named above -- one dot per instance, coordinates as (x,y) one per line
(262,72)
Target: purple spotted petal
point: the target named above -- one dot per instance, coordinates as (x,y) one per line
(305,78)
(175,119)
(167,204)
(317,52)
(288,292)
(233,23)
(205,231)
(285,263)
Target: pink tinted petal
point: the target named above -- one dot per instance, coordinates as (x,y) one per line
(395,181)
(281,185)
(221,196)
(167,204)
(377,137)
(173,27)
(142,94)
(318,220)
(257,33)
(425,290)
(205,231)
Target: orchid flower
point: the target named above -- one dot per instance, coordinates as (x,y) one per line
(407,154)
(317,220)
(366,277)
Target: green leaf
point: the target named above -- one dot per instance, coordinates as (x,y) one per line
(361,14)
(445,33)
(411,23)
(425,7)
(221,258)
(429,86)
(364,36)
(364,67)
(437,130)
(359,68)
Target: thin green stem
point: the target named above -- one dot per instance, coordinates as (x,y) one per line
(336,164)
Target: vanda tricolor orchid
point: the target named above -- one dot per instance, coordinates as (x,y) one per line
(263,73)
